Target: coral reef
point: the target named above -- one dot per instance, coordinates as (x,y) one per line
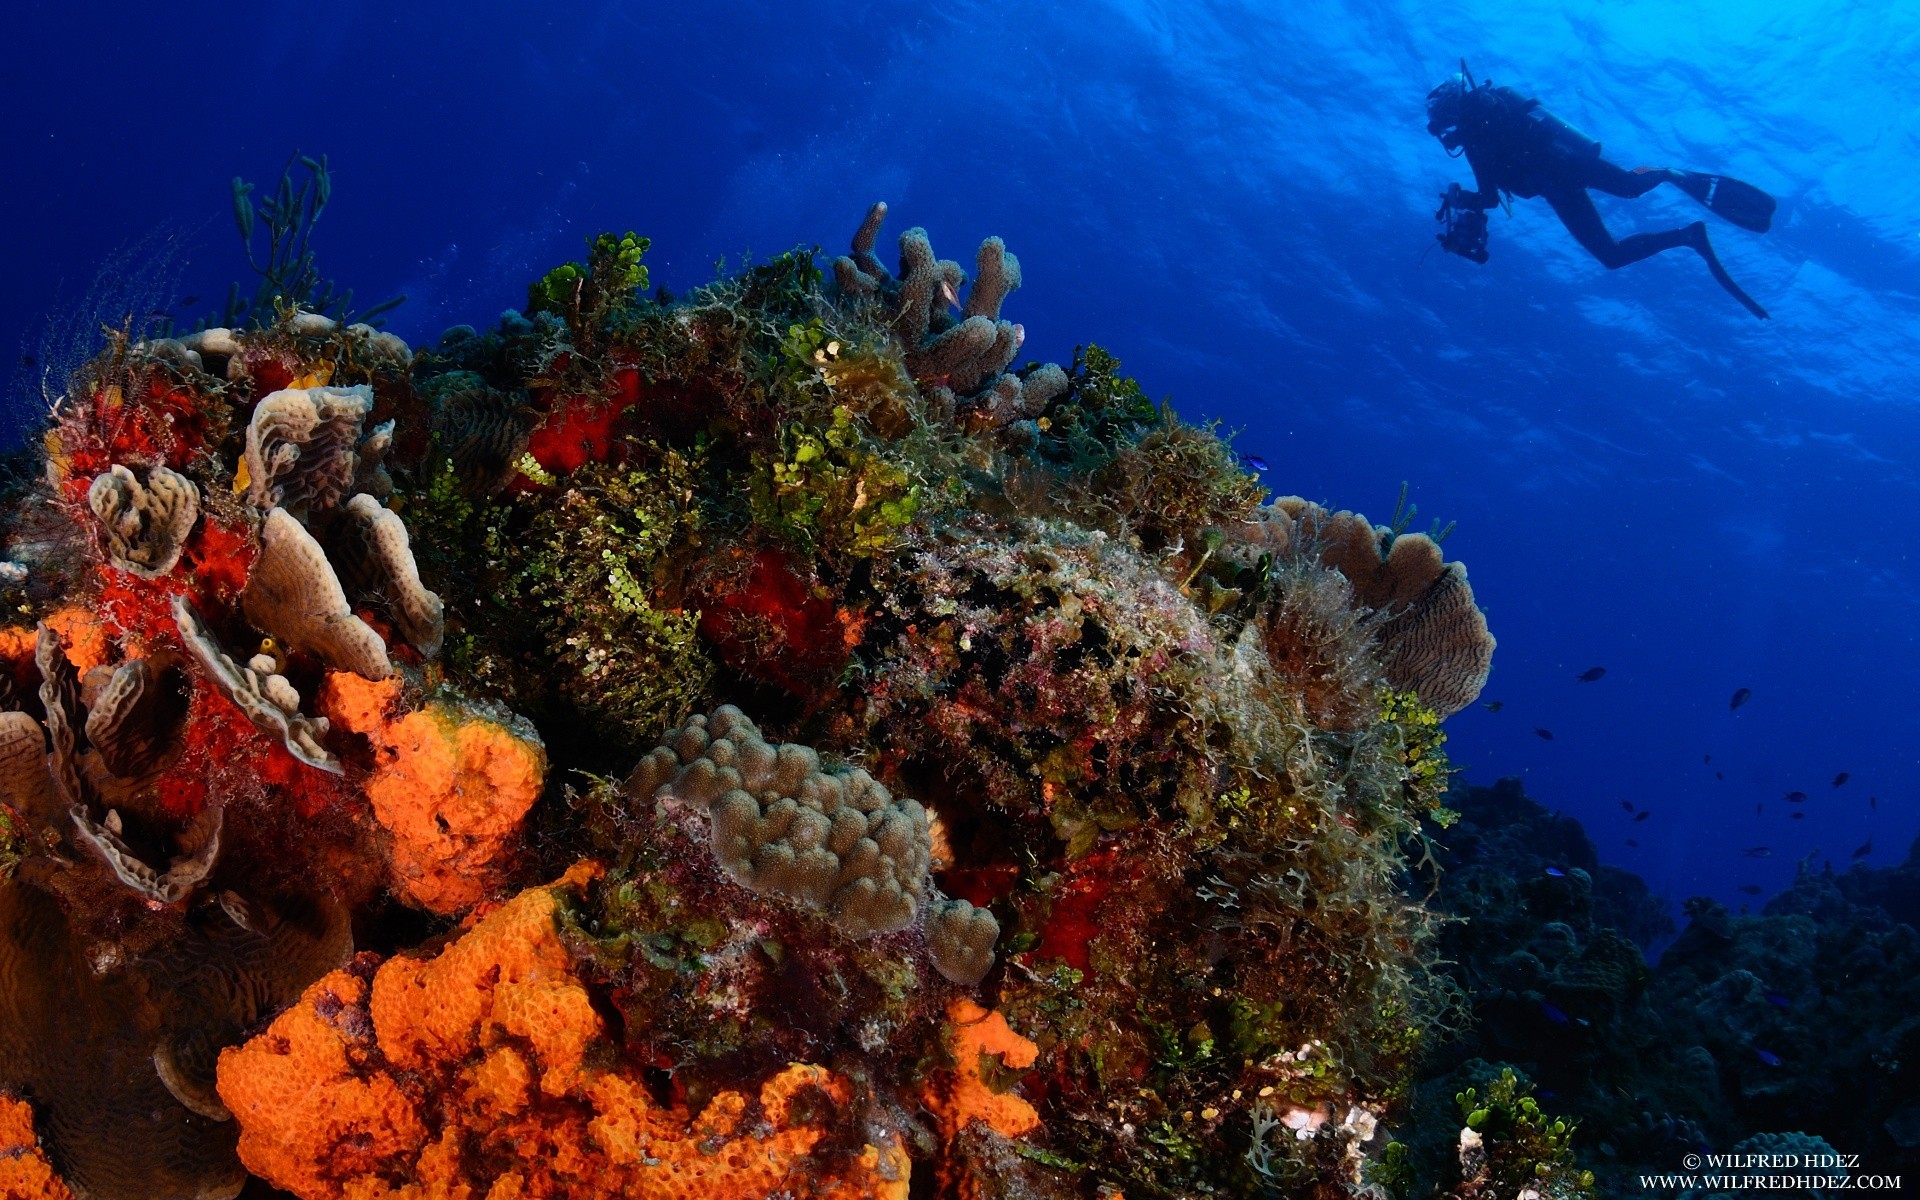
(956,773)
(1796,1018)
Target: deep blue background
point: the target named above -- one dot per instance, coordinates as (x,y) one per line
(1235,198)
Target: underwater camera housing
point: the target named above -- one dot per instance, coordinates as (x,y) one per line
(1466,229)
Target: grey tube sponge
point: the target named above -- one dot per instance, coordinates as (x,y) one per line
(866,238)
(967,356)
(997,274)
(143,526)
(955,353)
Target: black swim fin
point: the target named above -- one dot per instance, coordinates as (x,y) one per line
(1739,202)
(1697,238)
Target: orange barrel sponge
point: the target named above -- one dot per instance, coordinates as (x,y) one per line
(452,783)
(486,1071)
(25,1173)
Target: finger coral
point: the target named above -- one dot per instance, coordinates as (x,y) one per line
(500,1034)
(835,841)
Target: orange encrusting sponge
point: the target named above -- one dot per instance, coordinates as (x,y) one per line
(482,1074)
(451,785)
(25,1173)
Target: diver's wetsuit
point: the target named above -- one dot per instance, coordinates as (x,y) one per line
(1515,145)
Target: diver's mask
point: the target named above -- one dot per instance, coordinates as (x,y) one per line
(1446,106)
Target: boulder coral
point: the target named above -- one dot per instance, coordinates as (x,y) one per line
(482,1071)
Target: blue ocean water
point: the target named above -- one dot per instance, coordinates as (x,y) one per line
(1236,198)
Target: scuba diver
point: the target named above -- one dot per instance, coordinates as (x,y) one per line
(1517,147)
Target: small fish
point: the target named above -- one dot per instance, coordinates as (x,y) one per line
(1766,1056)
(1841,779)
(1635,844)
(1627,804)
(1642,815)
(1796,797)
(1797,815)
(1019,336)
(1253,462)
(1494,705)
(1556,872)
(1721,775)
(1553,1014)
(1758,807)
(1545,735)
(1757,851)
(1779,1000)
(29,361)
(1706,758)
(952,297)
(1865,849)
(189,302)
(1591,674)
(1873,802)
(1740,697)
(1751,889)
(273,650)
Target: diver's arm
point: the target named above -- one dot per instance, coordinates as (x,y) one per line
(1487,197)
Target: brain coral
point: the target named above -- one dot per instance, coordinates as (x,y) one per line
(1022,805)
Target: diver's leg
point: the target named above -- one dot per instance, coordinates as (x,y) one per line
(1603,176)
(1576,211)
